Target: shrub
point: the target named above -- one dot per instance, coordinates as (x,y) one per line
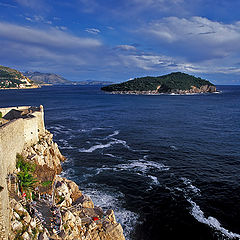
(25,177)
(46,183)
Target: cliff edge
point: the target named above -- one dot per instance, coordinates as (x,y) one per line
(40,203)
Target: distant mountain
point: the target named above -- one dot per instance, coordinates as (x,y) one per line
(54,79)
(177,82)
(12,78)
(47,78)
(93,82)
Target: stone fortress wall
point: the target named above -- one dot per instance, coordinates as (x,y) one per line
(22,127)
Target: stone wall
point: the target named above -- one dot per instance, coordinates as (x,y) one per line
(30,130)
(11,143)
(14,136)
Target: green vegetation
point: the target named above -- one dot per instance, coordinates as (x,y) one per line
(46,183)
(61,199)
(25,177)
(10,78)
(165,83)
(1,115)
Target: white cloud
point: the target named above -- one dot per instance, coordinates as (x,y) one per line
(7,5)
(46,49)
(34,4)
(126,47)
(45,38)
(92,30)
(197,35)
(38,19)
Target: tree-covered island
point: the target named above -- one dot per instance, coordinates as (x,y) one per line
(176,82)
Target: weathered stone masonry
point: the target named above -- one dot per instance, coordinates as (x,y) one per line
(22,127)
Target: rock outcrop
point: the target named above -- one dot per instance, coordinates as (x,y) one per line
(193,90)
(60,210)
(45,153)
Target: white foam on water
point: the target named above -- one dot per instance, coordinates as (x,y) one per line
(142,166)
(91,129)
(68,173)
(198,214)
(107,145)
(115,133)
(112,200)
(190,186)
(145,157)
(154,180)
(64,144)
(110,155)
(102,169)
(173,147)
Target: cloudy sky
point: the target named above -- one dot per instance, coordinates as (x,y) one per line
(117,40)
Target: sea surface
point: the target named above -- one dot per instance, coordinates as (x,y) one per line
(168,165)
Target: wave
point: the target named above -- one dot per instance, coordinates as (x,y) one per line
(92,129)
(188,183)
(113,200)
(107,145)
(69,173)
(143,166)
(115,133)
(64,144)
(110,155)
(173,147)
(198,214)
(154,180)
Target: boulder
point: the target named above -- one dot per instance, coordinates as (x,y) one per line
(16,225)
(68,216)
(33,223)
(19,209)
(16,215)
(111,216)
(43,236)
(27,218)
(114,232)
(26,236)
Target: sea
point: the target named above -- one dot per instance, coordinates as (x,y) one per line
(168,165)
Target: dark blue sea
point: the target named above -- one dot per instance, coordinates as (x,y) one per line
(168,165)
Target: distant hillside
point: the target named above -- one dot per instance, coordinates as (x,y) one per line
(54,79)
(11,78)
(47,78)
(176,82)
(93,82)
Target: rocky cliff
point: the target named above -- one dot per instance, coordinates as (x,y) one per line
(53,207)
(192,90)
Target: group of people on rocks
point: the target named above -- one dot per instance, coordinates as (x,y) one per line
(56,220)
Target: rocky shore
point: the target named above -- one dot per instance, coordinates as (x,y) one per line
(54,207)
(193,90)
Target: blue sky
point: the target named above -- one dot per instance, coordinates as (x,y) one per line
(117,40)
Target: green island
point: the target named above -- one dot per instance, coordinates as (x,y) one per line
(173,83)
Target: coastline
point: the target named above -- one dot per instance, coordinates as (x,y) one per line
(52,207)
(158,94)
(32,87)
